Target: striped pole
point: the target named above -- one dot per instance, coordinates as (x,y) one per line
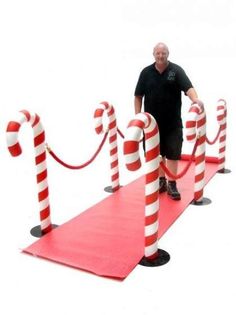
(40,161)
(221,118)
(145,122)
(112,129)
(196,128)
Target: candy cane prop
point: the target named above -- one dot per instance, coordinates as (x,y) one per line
(112,127)
(145,122)
(221,118)
(40,160)
(196,128)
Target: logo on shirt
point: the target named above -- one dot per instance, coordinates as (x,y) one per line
(171,76)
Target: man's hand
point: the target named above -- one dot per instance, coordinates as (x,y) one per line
(200,104)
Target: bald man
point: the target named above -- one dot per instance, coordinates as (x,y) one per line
(160,85)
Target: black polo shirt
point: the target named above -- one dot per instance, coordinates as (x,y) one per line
(162,93)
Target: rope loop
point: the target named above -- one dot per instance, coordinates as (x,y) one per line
(185,169)
(211,142)
(78,167)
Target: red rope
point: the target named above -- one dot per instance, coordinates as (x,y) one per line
(82,165)
(120,133)
(216,138)
(184,171)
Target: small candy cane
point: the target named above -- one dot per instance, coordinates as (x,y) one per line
(196,128)
(221,118)
(112,129)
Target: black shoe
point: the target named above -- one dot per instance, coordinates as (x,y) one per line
(163,185)
(173,191)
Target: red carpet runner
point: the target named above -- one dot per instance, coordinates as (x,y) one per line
(108,238)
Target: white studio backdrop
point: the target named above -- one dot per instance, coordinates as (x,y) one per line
(60,58)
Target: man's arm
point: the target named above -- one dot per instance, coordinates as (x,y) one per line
(192,94)
(137,104)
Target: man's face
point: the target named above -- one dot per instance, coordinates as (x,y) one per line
(161,55)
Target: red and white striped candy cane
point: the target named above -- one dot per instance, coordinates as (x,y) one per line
(40,160)
(196,128)
(221,118)
(145,122)
(112,129)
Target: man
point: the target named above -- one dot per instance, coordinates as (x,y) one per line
(161,84)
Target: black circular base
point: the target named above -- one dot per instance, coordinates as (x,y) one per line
(203,202)
(224,171)
(162,258)
(37,232)
(110,190)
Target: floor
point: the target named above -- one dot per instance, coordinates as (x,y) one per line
(199,278)
(55,62)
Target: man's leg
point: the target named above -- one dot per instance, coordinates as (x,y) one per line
(172,166)
(171,187)
(163,183)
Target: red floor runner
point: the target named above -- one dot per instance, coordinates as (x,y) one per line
(108,238)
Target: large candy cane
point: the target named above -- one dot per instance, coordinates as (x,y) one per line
(112,128)
(196,128)
(145,122)
(221,118)
(40,160)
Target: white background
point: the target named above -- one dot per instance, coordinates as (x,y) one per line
(59,59)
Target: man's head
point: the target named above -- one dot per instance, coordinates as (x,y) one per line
(161,53)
